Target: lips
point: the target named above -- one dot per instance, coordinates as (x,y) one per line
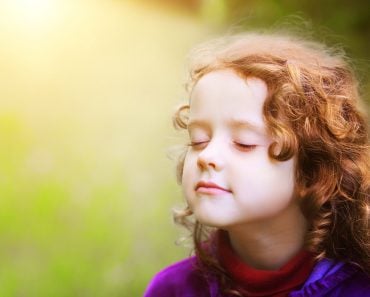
(210,188)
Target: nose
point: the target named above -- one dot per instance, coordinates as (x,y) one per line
(211,156)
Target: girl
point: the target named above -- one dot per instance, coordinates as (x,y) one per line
(276,175)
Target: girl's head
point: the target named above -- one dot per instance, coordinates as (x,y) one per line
(228,176)
(277,118)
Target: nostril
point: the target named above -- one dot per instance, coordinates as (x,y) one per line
(207,162)
(212,156)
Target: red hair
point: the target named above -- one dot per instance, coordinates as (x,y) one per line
(313,111)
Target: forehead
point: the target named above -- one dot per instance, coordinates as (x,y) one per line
(224,95)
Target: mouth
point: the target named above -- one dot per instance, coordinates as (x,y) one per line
(210,188)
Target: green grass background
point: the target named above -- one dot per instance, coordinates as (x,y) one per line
(87,90)
(85,123)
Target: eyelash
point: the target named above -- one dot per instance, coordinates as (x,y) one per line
(240,146)
(245,147)
(197,144)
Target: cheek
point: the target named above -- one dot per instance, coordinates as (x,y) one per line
(188,167)
(188,175)
(266,180)
(263,168)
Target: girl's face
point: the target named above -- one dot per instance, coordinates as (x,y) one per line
(228,177)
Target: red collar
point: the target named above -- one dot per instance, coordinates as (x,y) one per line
(265,282)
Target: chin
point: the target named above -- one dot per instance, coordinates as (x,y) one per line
(213,221)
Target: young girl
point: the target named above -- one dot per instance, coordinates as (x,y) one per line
(276,175)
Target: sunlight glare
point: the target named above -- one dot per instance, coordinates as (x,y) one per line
(34,14)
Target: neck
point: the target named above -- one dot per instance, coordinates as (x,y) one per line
(270,245)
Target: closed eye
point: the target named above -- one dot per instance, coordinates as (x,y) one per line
(198,144)
(245,147)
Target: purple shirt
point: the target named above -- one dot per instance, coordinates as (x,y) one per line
(328,278)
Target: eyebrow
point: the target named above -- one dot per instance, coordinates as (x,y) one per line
(233,123)
(197,123)
(244,124)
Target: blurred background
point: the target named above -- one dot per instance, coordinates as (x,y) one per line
(87,90)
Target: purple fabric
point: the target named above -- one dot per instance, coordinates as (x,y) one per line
(180,279)
(328,279)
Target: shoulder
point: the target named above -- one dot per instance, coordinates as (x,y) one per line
(179,279)
(358,284)
(331,278)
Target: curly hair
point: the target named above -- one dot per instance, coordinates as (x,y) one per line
(314,113)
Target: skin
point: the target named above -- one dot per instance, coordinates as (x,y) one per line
(229,180)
